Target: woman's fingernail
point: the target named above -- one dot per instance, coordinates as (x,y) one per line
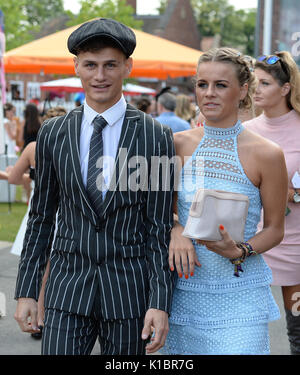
(172,269)
(180,275)
(192,274)
(186,276)
(221,227)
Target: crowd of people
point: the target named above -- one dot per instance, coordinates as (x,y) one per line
(115,264)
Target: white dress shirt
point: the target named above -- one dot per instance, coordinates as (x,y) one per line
(110,134)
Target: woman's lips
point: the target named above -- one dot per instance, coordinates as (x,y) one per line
(211,105)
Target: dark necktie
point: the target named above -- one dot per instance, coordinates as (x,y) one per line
(94,175)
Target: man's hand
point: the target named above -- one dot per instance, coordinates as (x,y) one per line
(157,320)
(26,315)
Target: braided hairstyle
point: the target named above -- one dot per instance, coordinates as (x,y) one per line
(242,64)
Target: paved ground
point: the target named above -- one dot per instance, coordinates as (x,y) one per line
(13,341)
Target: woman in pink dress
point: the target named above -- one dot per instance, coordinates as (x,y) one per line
(278,95)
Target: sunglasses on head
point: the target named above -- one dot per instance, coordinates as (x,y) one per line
(273,59)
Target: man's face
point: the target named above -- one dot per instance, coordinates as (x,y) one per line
(102,73)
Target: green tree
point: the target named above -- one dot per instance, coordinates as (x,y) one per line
(23,18)
(40,11)
(116,9)
(17,28)
(162,6)
(235,27)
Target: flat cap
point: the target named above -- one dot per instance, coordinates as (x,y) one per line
(103,28)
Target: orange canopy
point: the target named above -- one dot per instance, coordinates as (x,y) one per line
(153,57)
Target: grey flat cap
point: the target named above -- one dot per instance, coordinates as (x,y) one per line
(103,28)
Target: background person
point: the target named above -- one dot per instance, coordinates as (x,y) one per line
(10,128)
(166,105)
(278,95)
(144,104)
(31,124)
(185,110)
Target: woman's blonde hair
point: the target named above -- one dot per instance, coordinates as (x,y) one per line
(55,111)
(243,67)
(184,108)
(284,71)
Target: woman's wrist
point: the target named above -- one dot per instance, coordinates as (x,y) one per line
(238,252)
(177,226)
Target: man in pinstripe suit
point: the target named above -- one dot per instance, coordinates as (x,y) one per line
(109,274)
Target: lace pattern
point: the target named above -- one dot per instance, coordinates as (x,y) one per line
(214,299)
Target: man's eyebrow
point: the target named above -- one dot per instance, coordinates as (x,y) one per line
(100,62)
(218,80)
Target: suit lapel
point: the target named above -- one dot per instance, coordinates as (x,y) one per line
(130,130)
(74,126)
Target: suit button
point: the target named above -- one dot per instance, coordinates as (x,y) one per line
(98,228)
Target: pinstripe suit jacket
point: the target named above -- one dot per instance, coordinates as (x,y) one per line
(120,257)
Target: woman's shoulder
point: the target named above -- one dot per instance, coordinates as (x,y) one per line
(187,140)
(186,135)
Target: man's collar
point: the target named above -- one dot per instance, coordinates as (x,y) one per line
(112,115)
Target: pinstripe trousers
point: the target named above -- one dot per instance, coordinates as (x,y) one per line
(66,333)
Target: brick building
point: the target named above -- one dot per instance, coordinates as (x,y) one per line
(177,24)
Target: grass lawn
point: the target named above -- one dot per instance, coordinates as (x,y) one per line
(11,221)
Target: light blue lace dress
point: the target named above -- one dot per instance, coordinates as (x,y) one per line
(215,312)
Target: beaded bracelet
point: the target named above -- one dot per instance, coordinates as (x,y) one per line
(238,262)
(248,247)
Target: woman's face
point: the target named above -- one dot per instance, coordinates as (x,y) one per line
(219,93)
(269,94)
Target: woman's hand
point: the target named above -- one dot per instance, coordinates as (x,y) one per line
(182,253)
(225,247)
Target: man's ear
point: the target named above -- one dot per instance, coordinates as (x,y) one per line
(128,63)
(75,60)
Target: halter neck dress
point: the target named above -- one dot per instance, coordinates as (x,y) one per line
(215,312)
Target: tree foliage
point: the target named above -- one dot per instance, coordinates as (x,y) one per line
(235,27)
(116,9)
(40,11)
(15,23)
(162,6)
(22,18)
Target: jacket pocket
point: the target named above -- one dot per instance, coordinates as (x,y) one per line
(131,251)
(66,245)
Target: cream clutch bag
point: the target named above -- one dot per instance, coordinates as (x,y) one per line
(212,208)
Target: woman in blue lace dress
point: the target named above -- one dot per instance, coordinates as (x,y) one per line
(213,310)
